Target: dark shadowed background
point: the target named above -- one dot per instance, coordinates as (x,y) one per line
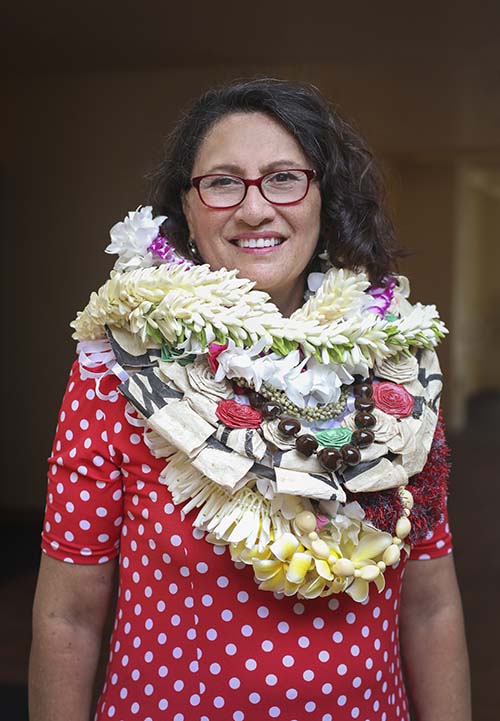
(90,91)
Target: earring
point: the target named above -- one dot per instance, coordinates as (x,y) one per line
(192,247)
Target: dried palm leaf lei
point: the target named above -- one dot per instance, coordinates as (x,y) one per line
(295,545)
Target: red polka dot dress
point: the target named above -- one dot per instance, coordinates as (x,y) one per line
(194,639)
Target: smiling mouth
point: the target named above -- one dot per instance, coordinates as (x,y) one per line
(257,242)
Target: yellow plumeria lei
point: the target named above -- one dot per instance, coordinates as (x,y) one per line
(311,563)
(288,555)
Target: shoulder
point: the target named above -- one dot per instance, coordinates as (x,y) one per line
(95,374)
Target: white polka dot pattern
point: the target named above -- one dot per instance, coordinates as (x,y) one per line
(194,639)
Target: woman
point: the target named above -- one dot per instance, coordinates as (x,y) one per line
(293,436)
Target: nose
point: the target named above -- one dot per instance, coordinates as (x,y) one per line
(255,209)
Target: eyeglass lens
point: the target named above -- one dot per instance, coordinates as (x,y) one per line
(284,186)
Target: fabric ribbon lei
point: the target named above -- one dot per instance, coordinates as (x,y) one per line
(273,426)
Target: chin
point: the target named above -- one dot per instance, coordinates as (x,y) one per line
(264,281)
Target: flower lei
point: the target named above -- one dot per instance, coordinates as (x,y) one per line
(206,351)
(191,308)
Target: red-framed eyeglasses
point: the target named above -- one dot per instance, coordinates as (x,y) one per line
(281,187)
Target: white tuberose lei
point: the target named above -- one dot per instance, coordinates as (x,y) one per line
(333,335)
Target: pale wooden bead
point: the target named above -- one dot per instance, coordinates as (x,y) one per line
(343,567)
(320,549)
(357,573)
(391,555)
(313,536)
(406,511)
(397,540)
(406,498)
(403,527)
(381,565)
(305,521)
(370,573)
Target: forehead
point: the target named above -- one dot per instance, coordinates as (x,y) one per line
(249,142)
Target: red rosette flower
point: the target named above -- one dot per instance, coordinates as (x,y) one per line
(236,415)
(213,351)
(393,399)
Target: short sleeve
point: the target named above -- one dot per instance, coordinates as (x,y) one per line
(436,543)
(84,510)
(430,492)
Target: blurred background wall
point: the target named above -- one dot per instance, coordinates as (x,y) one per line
(90,91)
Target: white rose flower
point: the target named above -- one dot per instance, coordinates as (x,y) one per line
(273,435)
(201,379)
(403,370)
(385,428)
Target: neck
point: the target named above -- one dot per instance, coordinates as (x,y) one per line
(289,299)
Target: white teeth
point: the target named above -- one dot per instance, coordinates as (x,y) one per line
(258,242)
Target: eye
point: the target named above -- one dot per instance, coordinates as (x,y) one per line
(283,176)
(221,181)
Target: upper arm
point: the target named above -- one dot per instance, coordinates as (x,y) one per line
(84,510)
(79,595)
(83,514)
(69,619)
(429,587)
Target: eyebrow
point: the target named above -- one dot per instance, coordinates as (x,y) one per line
(268,168)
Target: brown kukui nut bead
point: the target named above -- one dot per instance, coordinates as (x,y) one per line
(271,410)
(330,458)
(363,403)
(256,400)
(289,426)
(363,419)
(306,444)
(363,389)
(362,437)
(350,455)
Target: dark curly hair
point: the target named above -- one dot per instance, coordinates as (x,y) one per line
(355,230)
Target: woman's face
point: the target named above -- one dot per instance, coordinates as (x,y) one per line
(249,145)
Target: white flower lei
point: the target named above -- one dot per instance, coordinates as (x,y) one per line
(331,337)
(190,308)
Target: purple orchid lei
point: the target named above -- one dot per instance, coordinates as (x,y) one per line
(161,247)
(382,297)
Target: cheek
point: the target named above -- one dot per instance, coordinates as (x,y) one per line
(203,223)
(308,223)
(197,217)
(208,228)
